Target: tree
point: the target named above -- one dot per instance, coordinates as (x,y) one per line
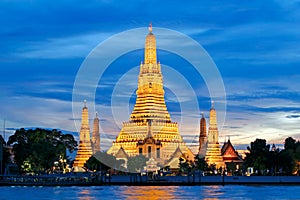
(101,161)
(289,156)
(40,148)
(286,162)
(276,162)
(290,143)
(200,163)
(136,163)
(257,156)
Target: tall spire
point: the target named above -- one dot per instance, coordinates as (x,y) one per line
(150,103)
(213,152)
(202,136)
(202,126)
(96,135)
(85,123)
(84,149)
(150,130)
(150,47)
(213,133)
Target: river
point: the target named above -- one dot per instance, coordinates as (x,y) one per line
(152,192)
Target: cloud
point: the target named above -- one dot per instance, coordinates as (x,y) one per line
(295,116)
(67,47)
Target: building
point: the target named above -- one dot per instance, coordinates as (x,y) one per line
(209,147)
(150,131)
(96,135)
(213,152)
(85,150)
(148,144)
(202,137)
(231,158)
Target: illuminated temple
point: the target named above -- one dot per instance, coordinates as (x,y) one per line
(213,151)
(87,147)
(150,131)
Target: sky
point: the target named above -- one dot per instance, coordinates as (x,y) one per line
(255,46)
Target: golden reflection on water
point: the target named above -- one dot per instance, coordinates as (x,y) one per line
(212,192)
(85,195)
(151,192)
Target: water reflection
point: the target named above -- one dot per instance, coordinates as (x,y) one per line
(85,194)
(151,192)
(213,192)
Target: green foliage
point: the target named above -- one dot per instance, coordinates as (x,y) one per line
(290,155)
(200,163)
(258,155)
(39,148)
(290,144)
(101,161)
(274,162)
(136,163)
(184,166)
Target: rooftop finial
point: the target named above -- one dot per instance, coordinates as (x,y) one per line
(150,27)
(212,104)
(96,114)
(84,103)
(202,114)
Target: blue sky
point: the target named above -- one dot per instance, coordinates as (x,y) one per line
(254,44)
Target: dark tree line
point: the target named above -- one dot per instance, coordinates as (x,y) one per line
(265,160)
(37,150)
(272,161)
(101,161)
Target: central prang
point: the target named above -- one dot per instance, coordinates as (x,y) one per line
(150,115)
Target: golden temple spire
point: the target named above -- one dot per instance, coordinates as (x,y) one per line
(150,102)
(150,128)
(84,121)
(84,149)
(213,151)
(213,118)
(150,47)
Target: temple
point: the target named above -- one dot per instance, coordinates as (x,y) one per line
(231,158)
(86,147)
(209,146)
(96,135)
(213,152)
(84,151)
(202,137)
(150,131)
